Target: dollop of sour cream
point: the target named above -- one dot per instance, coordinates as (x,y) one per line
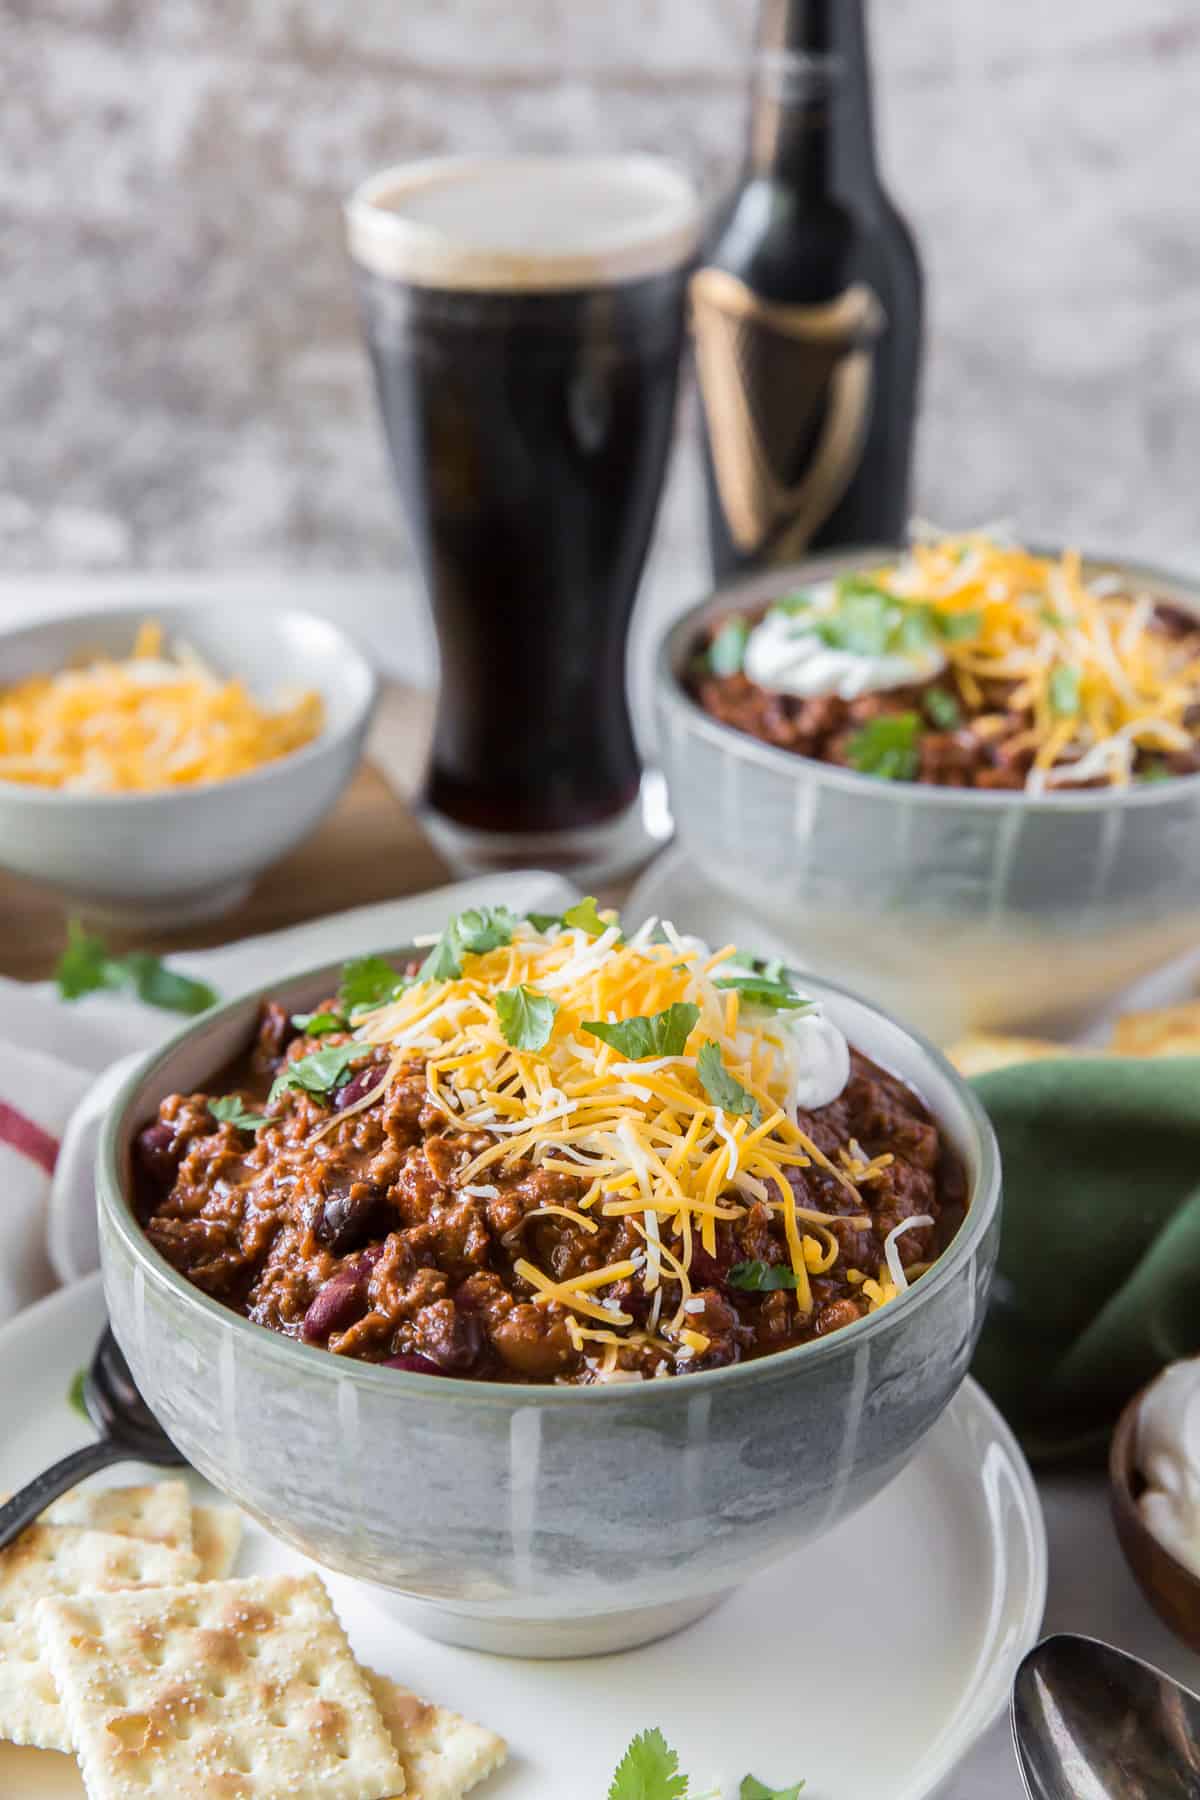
(818,1059)
(784,652)
(1168,1455)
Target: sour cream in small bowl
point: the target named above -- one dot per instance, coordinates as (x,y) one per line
(1154,1469)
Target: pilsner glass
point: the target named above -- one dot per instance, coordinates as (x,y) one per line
(525,319)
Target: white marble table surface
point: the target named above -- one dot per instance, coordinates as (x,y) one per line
(1091,1590)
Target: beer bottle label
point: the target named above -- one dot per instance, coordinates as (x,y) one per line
(787,394)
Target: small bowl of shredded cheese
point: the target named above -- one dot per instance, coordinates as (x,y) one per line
(160,717)
(150,770)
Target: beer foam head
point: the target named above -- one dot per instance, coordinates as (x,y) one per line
(529,224)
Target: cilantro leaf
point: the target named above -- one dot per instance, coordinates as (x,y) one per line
(526,1017)
(942,709)
(649,1770)
(230,1110)
(1155,771)
(955,628)
(75,1398)
(768,989)
(318,1072)
(790,604)
(472,933)
(367,982)
(318,1024)
(727,651)
(657,1034)
(484,928)
(442,963)
(1064,692)
(753,1789)
(544,921)
(722,1088)
(585,917)
(86,967)
(760,1277)
(887,747)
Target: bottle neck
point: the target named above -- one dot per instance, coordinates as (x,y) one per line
(810,118)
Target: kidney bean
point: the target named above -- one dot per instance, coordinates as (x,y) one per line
(416,1365)
(451,1339)
(339,1304)
(351,1214)
(358,1086)
(155,1151)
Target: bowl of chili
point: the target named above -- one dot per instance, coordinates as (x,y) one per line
(972,847)
(333,1312)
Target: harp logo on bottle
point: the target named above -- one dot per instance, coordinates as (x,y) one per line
(787,393)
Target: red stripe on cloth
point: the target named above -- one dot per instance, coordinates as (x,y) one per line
(23,1135)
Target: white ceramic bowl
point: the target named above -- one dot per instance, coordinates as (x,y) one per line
(189,853)
(960,909)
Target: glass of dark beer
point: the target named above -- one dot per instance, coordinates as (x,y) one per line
(525,320)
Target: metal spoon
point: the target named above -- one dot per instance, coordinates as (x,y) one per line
(1090,1723)
(129,1432)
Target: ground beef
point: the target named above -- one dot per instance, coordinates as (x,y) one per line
(361,1241)
(982,750)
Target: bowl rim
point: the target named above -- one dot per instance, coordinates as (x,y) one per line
(353,675)
(115,1206)
(676,640)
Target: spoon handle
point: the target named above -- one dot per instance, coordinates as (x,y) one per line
(33,1499)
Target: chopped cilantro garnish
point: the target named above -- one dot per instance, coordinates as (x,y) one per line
(526,1017)
(585,917)
(86,967)
(1154,772)
(727,651)
(723,1089)
(649,1770)
(1064,692)
(887,747)
(657,1034)
(771,988)
(955,628)
(791,604)
(472,933)
(230,1110)
(367,982)
(75,1398)
(318,1024)
(544,921)
(942,709)
(318,1072)
(760,1277)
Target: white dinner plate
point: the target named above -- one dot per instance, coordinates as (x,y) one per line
(866,1664)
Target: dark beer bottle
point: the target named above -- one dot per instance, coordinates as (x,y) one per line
(806,311)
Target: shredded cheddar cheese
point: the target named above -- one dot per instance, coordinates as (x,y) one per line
(1083,654)
(151,722)
(644,1133)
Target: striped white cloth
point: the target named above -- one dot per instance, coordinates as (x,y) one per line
(61,1064)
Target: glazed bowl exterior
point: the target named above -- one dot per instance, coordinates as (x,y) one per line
(174,856)
(960,909)
(543,1520)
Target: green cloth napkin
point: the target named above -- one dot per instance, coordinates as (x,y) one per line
(1098,1284)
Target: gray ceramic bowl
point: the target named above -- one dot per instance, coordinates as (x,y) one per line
(963,910)
(175,856)
(553,1521)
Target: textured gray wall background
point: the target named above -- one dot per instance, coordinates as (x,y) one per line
(180,379)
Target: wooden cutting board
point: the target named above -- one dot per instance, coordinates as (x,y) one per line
(369,848)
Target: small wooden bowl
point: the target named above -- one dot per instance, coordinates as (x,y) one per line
(1169,1585)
